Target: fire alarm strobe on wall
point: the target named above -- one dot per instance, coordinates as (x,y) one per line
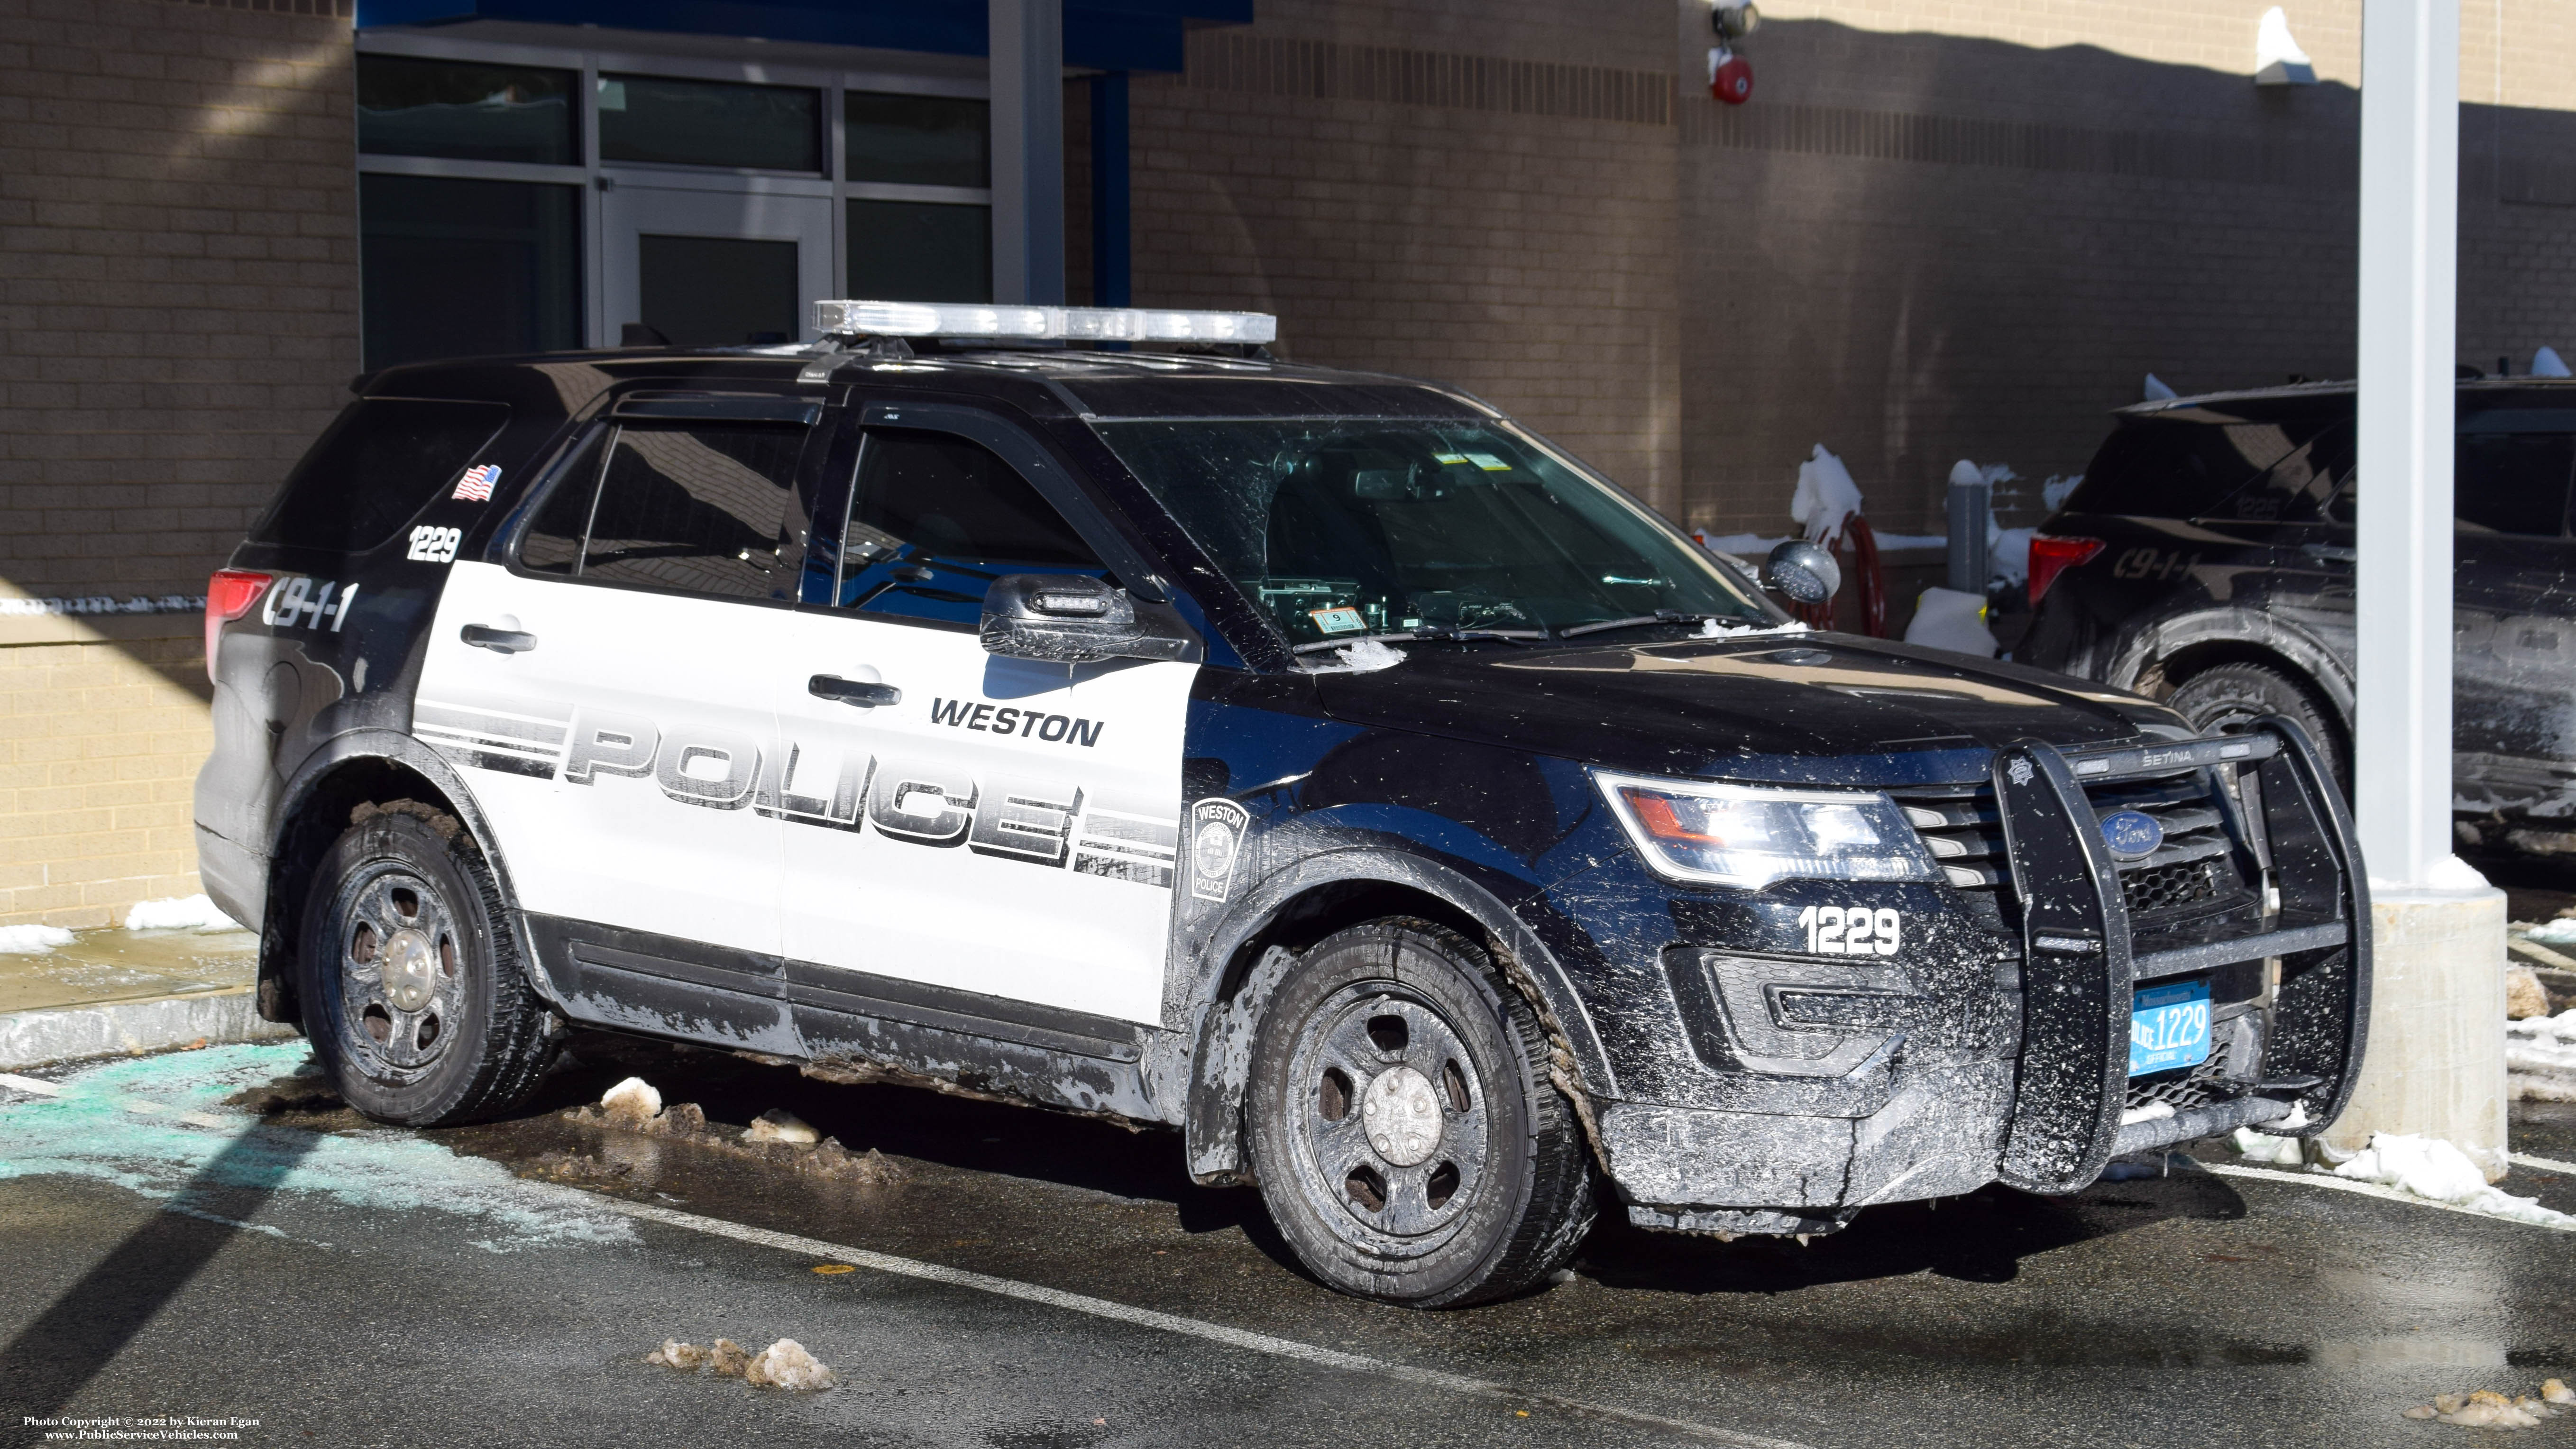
(1730,76)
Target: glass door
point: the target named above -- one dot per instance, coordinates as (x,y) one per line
(713,266)
(715,208)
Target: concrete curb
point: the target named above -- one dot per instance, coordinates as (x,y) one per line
(115,1028)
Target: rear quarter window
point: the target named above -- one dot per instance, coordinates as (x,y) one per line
(379,463)
(2171,466)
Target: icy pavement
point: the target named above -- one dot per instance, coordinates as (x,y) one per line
(1034,1280)
(161,1127)
(168,948)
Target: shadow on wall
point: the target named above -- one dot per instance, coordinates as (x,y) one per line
(1918,248)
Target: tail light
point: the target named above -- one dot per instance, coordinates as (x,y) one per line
(2050,557)
(229,595)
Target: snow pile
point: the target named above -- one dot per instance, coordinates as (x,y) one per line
(786,1365)
(687,1357)
(1826,497)
(31,940)
(2546,363)
(1370,655)
(2524,996)
(783,1365)
(179,913)
(2056,490)
(1715,629)
(780,1125)
(2487,1409)
(2278,60)
(2560,932)
(2256,1146)
(2429,1167)
(2540,1057)
(632,1102)
(1954,620)
(1746,546)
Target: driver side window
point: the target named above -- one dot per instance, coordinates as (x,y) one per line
(935,518)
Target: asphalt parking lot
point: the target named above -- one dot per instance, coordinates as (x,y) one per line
(1020,1280)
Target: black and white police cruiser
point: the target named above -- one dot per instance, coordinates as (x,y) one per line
(1313,761)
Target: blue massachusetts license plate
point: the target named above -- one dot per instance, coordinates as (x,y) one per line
(2168,1027)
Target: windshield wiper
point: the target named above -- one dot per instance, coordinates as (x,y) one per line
(1634,621)
(1404,635)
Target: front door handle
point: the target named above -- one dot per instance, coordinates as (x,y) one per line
(2333,552)
(499,641)
(853,691)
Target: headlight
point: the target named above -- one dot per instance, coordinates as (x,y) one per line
(1742,835)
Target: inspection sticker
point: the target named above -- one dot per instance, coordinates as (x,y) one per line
(1337,621)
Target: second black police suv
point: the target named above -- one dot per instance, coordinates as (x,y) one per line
(2207,560)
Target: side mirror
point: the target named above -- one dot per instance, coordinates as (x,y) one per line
(1077,619)
(1802,572)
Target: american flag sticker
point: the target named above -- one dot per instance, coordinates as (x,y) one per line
(476,485)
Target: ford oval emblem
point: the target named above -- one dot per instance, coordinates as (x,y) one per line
(2131,834)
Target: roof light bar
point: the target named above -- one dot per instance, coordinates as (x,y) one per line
(1083,324)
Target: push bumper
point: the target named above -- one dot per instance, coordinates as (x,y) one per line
(2048,1106)
(2082,962)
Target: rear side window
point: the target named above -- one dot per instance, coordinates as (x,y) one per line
(382,461)
(2180,467)
(699,509)
(2513,482)
(2297,488)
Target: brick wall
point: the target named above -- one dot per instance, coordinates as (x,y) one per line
(1482,196)
(99,743)
(1973,237)
(178,314)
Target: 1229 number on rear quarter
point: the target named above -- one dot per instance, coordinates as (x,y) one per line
(1851,930)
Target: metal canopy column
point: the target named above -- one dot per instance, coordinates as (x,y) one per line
(2435,1062)
(1028,150)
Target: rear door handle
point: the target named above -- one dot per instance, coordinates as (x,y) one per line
(499,641)
(852,691)
(2335,551)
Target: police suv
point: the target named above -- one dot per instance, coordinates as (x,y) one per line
(1313,761)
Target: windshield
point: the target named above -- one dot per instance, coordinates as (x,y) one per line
(1345,527)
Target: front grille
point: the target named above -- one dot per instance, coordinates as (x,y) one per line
(2184,1088)
(2196,865)
(2170,887)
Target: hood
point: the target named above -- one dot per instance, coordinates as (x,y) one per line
(1801,708)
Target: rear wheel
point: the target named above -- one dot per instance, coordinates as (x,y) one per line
(2232,696)
(1404,1130)
(414,995)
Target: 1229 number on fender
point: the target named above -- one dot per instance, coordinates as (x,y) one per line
(1851,930)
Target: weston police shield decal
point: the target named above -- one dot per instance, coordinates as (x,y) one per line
(2131,834)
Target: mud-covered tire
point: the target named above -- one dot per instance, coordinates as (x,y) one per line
(2229,696)
(1371,1213)
(414,994)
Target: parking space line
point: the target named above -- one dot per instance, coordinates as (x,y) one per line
(2545,1164)
(1172,1323)
(37,1085)
(2371,1189)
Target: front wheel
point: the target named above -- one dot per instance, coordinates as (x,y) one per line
(1408,1141)
(414,995)
(2232,696)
